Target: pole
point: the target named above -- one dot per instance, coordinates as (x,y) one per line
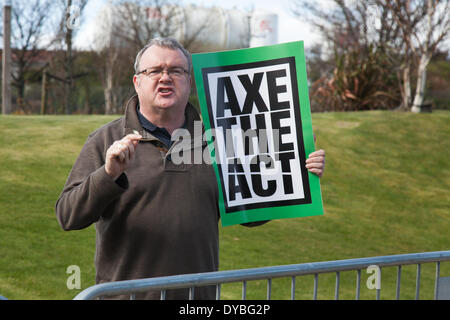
(44,91)
(6,59)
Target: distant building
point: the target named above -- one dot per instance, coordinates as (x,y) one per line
(202,28)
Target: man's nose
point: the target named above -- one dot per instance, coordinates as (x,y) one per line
(165,77)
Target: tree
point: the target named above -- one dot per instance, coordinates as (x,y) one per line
(363,76)
(408,32)
(123,29)
(126,27)
(359,82)
(68,23)
(424,25)
(28,30)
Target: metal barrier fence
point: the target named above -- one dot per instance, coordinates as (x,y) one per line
(192,281)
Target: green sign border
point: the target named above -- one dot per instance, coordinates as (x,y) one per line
(249,55)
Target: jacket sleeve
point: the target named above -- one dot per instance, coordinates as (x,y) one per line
(88,189)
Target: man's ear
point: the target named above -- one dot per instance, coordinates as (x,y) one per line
(136,82)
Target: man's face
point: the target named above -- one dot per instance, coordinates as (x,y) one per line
(163,90)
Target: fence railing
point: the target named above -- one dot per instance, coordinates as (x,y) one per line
(191,281)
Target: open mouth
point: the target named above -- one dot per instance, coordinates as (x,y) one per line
(165,91)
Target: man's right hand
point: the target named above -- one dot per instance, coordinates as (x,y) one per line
(121,154)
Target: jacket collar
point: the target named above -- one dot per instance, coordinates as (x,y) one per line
(132,121)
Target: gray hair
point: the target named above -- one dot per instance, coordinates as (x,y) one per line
(169,43)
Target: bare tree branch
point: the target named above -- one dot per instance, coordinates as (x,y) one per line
(129,27)
(29,20)
(409,33)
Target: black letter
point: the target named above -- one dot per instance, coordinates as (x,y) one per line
(257,186)
(286,167)
(287,184)
(276,119)
(252,93)
(274,90)
(235,165)
(226,124)
(247,135)
(256,160)
(224,83)
(263,140)
(241,186)
(285,158)
(256,178)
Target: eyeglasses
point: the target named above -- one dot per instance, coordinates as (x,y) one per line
(155,73)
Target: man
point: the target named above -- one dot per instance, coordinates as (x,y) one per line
(153,217)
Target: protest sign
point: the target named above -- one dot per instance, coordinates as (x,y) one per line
(255,108)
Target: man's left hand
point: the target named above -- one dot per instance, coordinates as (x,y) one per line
(316,162)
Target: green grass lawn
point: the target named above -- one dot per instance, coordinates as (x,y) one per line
(385,191)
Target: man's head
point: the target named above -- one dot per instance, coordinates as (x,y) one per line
(162,77)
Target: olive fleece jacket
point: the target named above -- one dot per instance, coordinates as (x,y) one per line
(158,219)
